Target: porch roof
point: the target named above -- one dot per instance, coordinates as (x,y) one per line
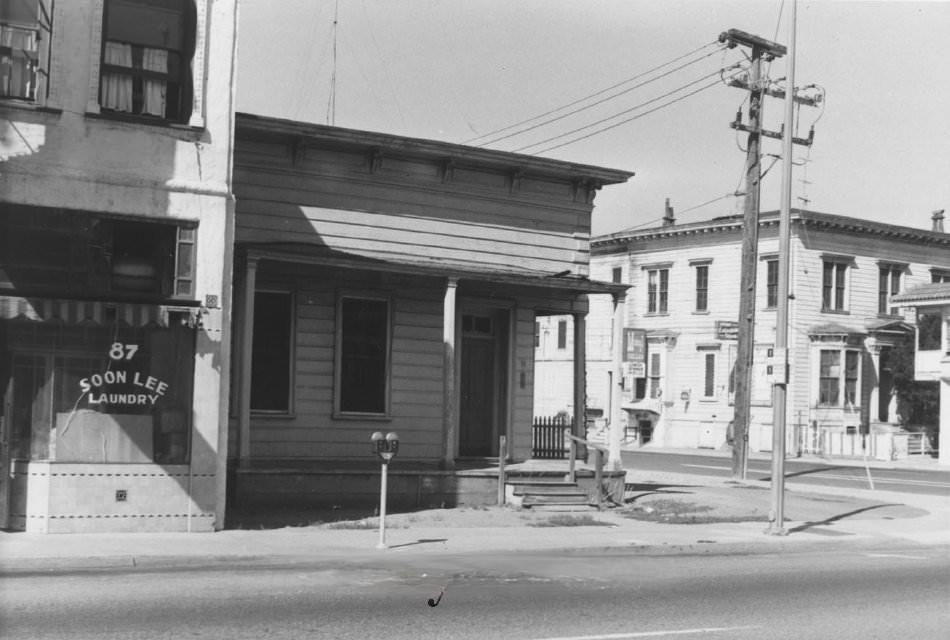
(309,254)
(926,294)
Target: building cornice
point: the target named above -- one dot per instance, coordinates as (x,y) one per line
(801,218)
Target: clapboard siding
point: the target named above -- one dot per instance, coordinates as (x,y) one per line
(416,372)
(523,397)
(367,217)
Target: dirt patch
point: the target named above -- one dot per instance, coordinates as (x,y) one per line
(567,520)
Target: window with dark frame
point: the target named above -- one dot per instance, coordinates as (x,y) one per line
(25,35)
(851,378)
(937,276)
(702,287)
(655,376)
(271,351)
(147,46)
(834,280)
(771,284)
(363,372)
(562,334)
(709,381)
(617,275)
(889,284)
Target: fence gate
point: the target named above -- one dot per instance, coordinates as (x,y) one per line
(547,439)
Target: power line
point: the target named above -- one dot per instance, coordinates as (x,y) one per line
(625,121)
(595,94)
(591,105)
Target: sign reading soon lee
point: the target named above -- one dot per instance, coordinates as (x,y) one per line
(136,388)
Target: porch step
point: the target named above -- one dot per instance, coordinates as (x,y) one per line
(548,493)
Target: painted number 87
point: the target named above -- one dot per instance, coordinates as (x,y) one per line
(121,351)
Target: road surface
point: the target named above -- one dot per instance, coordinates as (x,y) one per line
(843,593)
(922,481)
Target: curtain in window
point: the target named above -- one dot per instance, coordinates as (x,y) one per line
(18,57)
(154,90)
(117,88)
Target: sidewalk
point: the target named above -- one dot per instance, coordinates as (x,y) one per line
(727,517)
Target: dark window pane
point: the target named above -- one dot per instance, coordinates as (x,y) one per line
(272,343)
(709,386)
(364,355)
(617,274)
(562,334)
(928,331)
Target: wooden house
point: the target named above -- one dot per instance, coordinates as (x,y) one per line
(391,284)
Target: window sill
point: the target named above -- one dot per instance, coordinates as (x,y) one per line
(374,417)
(656,314)
(701,313)
(25,105)
(772,309)
(175,129)
(273,415)
(837,312)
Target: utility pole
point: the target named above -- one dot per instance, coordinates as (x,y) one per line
(758,88)
(750,241)
(779,363)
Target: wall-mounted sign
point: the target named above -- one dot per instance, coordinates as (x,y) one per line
(635,352)
(727,329)
(121,386)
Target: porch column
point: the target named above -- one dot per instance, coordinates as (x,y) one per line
(449,399)
(247,348)
(943,427)
(615,435)
(874,349)
(580,374)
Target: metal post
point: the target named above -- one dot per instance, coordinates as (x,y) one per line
(780,389)
(382,508)
(502,454)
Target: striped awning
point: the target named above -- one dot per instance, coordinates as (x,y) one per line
(80,312)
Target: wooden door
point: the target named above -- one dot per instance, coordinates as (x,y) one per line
(477,407)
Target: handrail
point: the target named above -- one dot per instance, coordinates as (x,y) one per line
(599,451)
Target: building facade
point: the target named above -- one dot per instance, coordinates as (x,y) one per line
(681,329)
(930,305)
(392,284)
(116,121)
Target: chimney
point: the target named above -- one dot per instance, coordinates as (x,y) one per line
(937,218)
(668,218)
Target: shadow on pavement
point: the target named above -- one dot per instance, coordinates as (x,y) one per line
(419,541)
(841,516)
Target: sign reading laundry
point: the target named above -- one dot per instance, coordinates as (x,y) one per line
(100,387)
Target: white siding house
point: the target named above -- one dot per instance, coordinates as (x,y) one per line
(844,327)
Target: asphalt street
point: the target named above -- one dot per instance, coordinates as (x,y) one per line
(922,481)
(608,595)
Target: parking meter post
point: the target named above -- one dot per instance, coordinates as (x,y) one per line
(382,507)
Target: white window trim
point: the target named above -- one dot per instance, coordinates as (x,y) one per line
(842,349)
(848,265)
(197,119)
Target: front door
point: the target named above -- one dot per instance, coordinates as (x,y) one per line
(482,383)
(885,384)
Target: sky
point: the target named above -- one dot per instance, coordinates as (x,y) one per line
(458,70)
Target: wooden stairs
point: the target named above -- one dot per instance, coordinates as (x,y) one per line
(547,494)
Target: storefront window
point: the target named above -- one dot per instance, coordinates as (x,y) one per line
(109,392)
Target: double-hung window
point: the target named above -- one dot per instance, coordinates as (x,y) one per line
(363,356)
(889,284)
(658,285)
(145,70)
(771,283)
(939,275)
(702,287)
(838,385)
(834,281)
(25,34)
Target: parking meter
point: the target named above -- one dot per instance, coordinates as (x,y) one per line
(385,447)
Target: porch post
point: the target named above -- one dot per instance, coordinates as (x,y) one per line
(449,400)
(580,374)
(874,348)
(247,347)
(614,461)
